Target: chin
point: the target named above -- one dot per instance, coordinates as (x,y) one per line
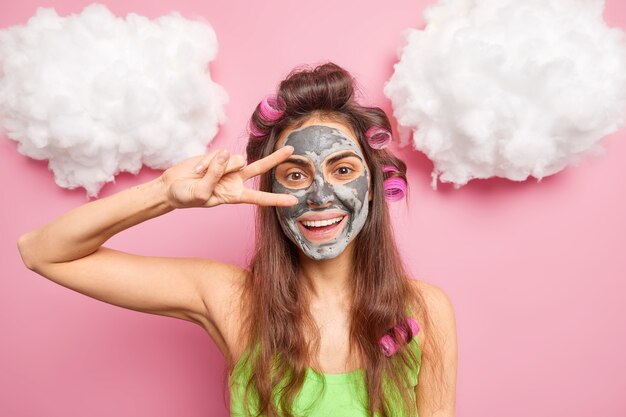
(326,253)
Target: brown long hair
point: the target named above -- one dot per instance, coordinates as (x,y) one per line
(276,307)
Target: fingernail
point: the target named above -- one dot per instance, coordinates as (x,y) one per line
(222,156)
(199,168)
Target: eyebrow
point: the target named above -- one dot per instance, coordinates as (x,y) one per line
(330,161)
(342,155)
(298,161)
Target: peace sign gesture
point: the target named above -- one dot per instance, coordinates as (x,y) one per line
(217,178)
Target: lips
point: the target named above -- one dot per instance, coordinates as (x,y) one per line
(321,223)
(317,227)
(321,215)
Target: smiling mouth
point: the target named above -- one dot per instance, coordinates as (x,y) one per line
(318,230)
(318,224)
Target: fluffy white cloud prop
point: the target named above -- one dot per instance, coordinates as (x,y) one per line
(96,95)
(509,88)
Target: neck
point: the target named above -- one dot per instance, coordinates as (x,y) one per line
(329,279)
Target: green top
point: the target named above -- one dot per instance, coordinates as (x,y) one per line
(345,394)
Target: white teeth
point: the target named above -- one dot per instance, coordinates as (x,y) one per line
(320,223)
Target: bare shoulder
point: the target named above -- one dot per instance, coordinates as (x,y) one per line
(436,298)
(440,308)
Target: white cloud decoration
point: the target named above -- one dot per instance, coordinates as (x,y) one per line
(509,88)
(96,95)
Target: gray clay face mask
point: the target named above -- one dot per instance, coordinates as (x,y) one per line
(328,175)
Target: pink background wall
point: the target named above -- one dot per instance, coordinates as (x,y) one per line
(535,270)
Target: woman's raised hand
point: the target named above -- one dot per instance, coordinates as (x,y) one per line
(217,178)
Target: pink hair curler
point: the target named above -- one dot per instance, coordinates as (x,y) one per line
(378,137)
(387,343)
(414,326)
(388,346)
(395,188)
(255,130)
(389,168)
(270,108)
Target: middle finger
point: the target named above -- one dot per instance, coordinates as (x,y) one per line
(267,163)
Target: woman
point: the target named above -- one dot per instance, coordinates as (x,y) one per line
(325,320)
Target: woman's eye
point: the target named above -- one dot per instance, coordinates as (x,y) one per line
(295,176)
(343,171)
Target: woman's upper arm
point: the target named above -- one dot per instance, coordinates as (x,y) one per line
(191,289)
(438,399)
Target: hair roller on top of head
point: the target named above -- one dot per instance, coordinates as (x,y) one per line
(378,137)
(271,108)
(255,131)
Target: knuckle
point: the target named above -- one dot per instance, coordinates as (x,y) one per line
(202,194)
(217,170)
(239,160)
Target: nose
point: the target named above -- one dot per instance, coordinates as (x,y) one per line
(321,194)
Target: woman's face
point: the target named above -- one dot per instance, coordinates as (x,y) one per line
(328,174)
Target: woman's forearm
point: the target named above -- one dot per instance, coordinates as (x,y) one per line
(84,229)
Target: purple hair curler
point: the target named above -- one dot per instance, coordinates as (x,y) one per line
(378,137)
(270,108)
(395,188)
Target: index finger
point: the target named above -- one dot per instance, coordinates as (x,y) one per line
(262,198)
(267,163)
